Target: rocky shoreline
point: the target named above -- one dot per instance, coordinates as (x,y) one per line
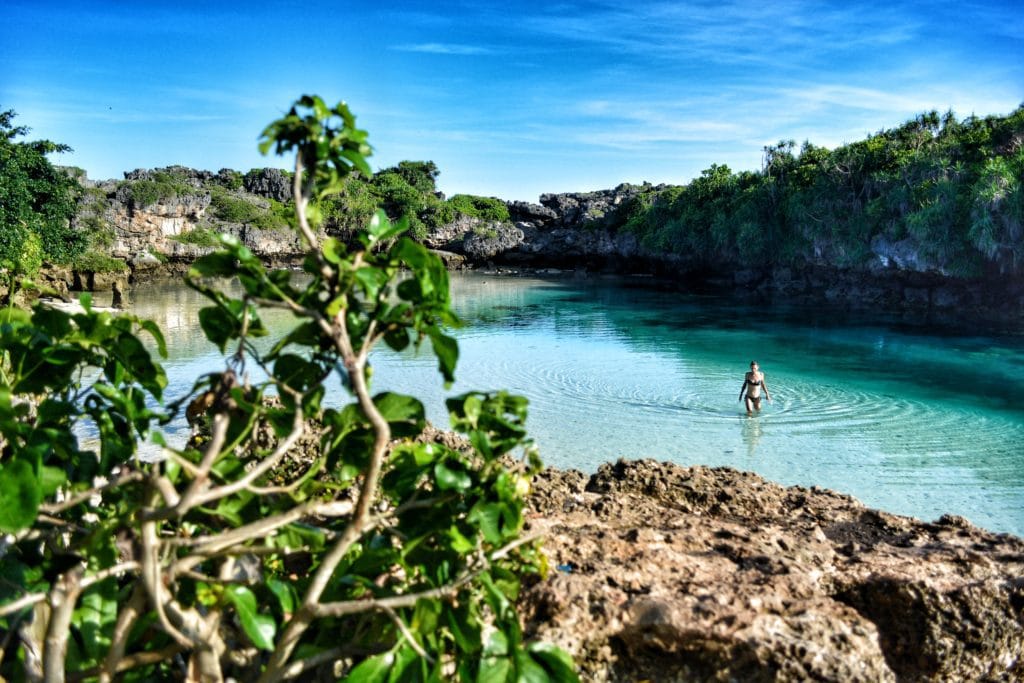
(668,573)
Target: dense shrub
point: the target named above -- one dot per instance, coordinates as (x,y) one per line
(37,201)
(953,187)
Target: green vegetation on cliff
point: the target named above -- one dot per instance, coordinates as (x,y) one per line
(951,187)
(407,192)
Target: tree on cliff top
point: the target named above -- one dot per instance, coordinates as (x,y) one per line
(37,201)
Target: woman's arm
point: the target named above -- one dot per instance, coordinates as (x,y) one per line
(764,385)
(743,388)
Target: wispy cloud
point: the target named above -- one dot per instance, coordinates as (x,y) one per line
(445,49)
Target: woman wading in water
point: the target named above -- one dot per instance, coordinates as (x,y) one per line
(753,382)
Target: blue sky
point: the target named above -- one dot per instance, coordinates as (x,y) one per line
(509,99)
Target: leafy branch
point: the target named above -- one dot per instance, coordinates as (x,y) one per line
(299,534)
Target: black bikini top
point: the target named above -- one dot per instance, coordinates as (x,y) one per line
(754,384)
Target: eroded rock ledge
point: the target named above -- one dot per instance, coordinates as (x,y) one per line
(669,573)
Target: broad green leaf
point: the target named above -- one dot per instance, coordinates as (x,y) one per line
(451,478)
(497,645)
(447,351)
(51,479)
(405,414)
(95,618)
(218,325)
(487,516)
(372,670)
(14,316)
(285,594)
(529,671)
(495,670)
(333,250)
(157,334)
(465,628)
(556,662)
(217,264)
(260,628)
(20,496)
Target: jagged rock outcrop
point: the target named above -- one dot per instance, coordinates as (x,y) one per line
(490,240)
(669,573)
(271,183)
(591,209)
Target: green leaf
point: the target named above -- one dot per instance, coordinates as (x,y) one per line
(218,325)
(158,336)
(260,628)
(372,670)
(465,628)
(51,479)
(405,414)
(447,351)
(449,478)
(217,264)
(285,594)
(20,496)
(495,670)
(381,228)
(487,516)
(556,662)
(529,671)
(334,251)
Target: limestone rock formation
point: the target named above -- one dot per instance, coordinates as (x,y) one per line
(668,573)
(271,183)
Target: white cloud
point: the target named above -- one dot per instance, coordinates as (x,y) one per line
(445,49)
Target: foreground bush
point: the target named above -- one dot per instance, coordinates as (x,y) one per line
(376,558)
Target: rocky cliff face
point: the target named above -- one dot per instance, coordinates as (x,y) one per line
(667,573)
(582,231)
(144,232)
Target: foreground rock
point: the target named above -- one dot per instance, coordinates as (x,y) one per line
(666,573)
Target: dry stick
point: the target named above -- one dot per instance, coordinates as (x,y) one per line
(152,579)
(206,546)
(63,599)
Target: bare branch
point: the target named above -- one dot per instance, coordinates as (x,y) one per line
(122,629)
(56,508)
(33,598)
(265,465)
(128,663)
(407,634)
(63,598)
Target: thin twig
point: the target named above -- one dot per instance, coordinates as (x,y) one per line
(407,634)
(130,662)
(56,508)
(265,465)
(33,598)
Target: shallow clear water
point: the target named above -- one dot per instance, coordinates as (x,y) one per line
(914,420)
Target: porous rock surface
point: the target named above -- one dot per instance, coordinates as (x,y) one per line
(668,573)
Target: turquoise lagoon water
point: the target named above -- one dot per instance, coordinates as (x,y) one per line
(912,419)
